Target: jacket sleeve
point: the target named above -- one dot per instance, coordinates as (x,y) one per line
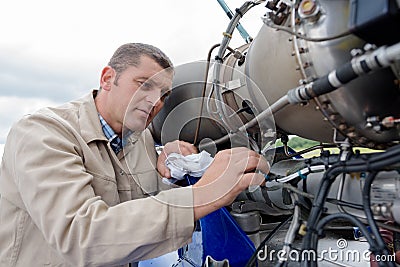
(56,190)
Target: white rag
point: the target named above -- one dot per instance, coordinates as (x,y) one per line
(194,165)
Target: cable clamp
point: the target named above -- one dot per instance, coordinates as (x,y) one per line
(218,58)
(239,12)
(227,34)
(302,176)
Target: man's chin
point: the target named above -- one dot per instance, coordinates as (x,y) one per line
(135,128)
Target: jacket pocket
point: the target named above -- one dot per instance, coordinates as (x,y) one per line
(105,187)
(147,182)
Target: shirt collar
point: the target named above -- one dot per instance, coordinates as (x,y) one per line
(115,141)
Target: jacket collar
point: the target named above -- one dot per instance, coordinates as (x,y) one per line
(89,120)
(90,125)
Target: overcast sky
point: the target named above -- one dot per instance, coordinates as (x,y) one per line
(53,51)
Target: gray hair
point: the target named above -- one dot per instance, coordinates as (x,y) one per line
(129,55)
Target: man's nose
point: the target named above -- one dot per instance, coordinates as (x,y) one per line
(153,97)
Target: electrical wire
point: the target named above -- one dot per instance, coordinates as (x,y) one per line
(374,162)
(341,203)
(381,246)
(302,172)
(340,191)
(278,105)
(320,146)
(222,113)
(196,134)
(310,196)
(388,227)
(362,227)
(331,217)
(294,226)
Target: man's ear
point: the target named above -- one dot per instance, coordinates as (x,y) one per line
(106,78)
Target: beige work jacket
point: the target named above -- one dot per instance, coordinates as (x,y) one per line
(68,200)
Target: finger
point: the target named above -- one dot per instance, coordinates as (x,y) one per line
(252,179)
(263,165)
(232,152)
(240,149)
(247,161)
(243,153)
(161,167)
(255,162)
(180,147)
(257,178)
(187,148)
(167,173)
(236,154)
(193,149)
(163,170)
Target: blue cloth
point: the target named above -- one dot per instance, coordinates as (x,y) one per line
(115,142)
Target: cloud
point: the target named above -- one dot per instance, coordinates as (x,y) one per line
(53,51)
(28,77)
(13,108)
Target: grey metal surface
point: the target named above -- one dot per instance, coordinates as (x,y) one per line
(274,68)
(180,115)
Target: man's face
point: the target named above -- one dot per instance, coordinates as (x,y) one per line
(138,94)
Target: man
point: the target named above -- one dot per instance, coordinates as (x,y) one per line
(79,185)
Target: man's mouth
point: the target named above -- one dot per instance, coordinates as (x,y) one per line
(145,112)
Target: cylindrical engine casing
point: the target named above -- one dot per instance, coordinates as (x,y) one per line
(273,65)
(276,62)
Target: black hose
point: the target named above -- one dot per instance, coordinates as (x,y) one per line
(375,162)
(381,247)
(359,224)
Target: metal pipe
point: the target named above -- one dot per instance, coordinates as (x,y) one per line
(239,26)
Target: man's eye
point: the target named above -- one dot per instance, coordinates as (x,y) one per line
(146,86)
(165,95)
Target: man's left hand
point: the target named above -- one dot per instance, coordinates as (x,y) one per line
(181,147)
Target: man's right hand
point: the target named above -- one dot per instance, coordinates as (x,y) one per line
(231,172)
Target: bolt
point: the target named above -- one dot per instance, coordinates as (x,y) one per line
(369,47)
(302,50)
(342,126)
(352,134)
(308,7)
(356,52)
